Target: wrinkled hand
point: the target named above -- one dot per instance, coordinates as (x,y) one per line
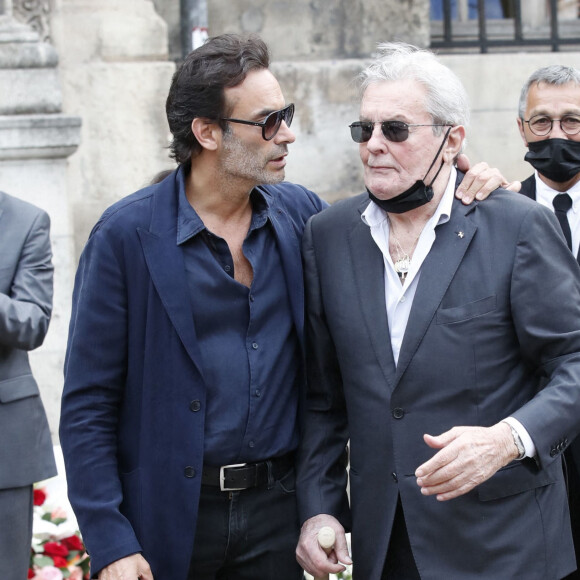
(480,181)
(129,568)
(468,457)
(312,557)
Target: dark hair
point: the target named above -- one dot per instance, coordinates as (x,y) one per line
(197,88)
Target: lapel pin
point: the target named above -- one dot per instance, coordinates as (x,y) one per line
(460,234)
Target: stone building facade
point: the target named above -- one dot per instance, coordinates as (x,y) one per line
(84,83)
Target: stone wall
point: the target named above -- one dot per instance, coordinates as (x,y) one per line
(323,29)
(115,73)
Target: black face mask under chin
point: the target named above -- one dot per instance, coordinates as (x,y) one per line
(417,195)
(556,159)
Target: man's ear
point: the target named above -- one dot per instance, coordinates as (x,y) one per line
(454,143)
(208,133)
(522,133)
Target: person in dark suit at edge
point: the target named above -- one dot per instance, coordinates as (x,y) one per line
(444,343)
(549,123)
(26,455)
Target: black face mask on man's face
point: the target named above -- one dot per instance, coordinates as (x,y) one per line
(415,196)
(556,159)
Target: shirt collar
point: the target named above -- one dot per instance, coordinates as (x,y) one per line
(374,216)
(189,224)
(545,194)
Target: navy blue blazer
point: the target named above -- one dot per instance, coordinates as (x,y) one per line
(132,439)
(493,332)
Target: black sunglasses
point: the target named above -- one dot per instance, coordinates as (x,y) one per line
(271,124)
(395,131)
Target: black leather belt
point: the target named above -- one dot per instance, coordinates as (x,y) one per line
(241,476)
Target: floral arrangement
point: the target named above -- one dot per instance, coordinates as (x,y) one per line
(57,551)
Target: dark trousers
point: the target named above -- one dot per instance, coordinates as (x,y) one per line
(400,563)
(247,535)
(15,532)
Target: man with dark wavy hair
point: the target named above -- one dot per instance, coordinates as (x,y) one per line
(183,366)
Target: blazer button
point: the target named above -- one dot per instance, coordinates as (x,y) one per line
(394,476)
(553,453)
(189,471)
(398,413)
(195,406)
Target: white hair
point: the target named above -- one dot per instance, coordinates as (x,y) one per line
(446,99)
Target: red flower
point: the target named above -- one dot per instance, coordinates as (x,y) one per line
(59,562)
(39,497)
(55,549)
(73,543)
(31,573)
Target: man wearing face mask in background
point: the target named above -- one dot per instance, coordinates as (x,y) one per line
(549,122)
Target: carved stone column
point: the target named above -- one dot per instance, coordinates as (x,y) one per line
(35,141)
(35,13)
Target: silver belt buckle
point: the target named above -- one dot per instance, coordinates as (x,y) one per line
(223,477)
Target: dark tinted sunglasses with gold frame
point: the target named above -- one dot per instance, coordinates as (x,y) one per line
(271,124)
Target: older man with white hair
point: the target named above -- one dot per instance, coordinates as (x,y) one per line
(444,343)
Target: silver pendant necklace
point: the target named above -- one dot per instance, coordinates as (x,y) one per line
(403,262)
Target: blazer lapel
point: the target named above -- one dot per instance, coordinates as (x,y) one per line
(167,269)
(529,187)
(369,280)
(437,271)
(291,258)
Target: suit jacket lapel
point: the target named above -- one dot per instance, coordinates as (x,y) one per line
(291,258)
(166,267)
(368,266)
(437,271)
(529,187)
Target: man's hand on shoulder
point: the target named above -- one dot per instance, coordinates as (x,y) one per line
(480,180)
(312,557)
(129,568)
(467,456)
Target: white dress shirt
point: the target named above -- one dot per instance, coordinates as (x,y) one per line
(399,297)
(545,195)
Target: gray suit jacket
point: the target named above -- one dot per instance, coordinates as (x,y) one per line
(26,272)
(496,314)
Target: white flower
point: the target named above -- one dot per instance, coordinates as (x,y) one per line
(49,573)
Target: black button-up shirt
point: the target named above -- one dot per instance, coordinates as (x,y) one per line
(247,338)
